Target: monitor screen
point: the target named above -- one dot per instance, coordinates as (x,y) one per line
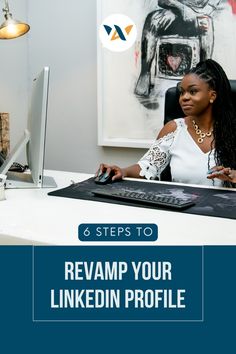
(33,140)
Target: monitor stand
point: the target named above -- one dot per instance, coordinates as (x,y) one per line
(23,180)
(19,180)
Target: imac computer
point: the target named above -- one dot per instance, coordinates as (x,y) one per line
(33,141)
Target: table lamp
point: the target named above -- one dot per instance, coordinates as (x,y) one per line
(11,28)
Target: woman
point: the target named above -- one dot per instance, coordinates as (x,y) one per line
(200,148)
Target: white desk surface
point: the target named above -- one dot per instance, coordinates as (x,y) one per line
(30,216)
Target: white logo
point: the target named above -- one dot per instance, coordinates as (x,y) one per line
(117,32)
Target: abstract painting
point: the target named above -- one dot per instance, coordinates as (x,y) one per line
(172,36)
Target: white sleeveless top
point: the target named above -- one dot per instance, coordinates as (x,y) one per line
(188,163)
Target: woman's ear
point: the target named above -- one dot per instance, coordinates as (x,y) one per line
(213,96)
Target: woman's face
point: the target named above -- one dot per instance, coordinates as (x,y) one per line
(195,95)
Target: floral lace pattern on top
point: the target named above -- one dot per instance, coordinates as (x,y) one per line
(157,157)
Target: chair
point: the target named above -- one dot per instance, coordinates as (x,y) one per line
(173,110)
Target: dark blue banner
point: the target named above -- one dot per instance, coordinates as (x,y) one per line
(20,333)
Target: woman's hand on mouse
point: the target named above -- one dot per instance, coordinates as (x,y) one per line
(118,173)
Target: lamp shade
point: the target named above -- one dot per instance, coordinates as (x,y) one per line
(10,29)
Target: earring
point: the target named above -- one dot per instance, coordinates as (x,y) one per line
(211,100)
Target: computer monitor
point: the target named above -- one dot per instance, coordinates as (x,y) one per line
(33,140)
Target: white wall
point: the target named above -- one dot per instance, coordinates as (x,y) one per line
(63,36)
(14,74)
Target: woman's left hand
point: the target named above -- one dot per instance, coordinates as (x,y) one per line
(222,173)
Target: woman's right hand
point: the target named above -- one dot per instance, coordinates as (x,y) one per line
(118,173)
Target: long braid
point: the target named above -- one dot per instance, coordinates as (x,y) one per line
(224,115)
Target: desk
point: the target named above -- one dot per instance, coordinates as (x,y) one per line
(30,216)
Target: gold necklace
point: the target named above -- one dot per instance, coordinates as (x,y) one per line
(202,135)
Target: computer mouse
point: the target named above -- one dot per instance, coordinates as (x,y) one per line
(104,178)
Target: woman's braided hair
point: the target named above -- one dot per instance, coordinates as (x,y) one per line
(224,115)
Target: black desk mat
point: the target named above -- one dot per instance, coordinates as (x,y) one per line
(210,202)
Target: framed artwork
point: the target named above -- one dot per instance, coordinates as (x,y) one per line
(132,83)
